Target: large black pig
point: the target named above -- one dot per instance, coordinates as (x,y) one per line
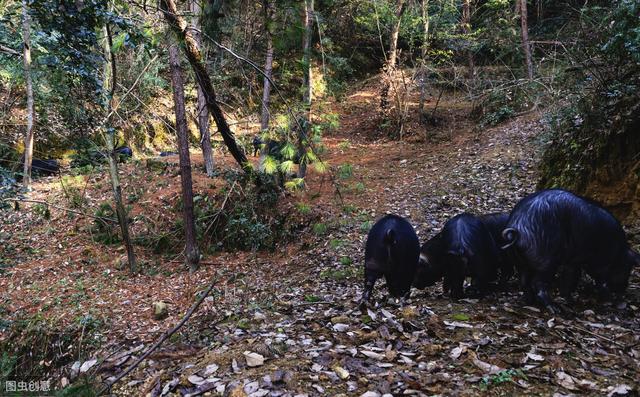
(392,252)
(463,248)
(556,230)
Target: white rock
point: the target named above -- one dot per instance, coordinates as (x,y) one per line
(254,359)
(341,372)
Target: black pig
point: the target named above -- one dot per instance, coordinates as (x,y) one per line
(556,230)
(392,251)
(463,248)
(123,153)
(45,167)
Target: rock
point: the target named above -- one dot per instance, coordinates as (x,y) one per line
(121,263)
(254,359)
(341,372)
(339,319)
(259,316)
(160,310)
(370,394)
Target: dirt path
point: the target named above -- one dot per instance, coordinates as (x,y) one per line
(297,308)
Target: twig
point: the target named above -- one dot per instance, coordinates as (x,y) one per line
(312,303)
(102,218)
(224,202)
(164,337)
(201,262)
(597,335)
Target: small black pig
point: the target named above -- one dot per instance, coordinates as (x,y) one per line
(392,251)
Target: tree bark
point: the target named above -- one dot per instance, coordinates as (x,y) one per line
(307,84)
(466,29)
(390,64)
(28,137)
(185,35)
(203,112)
(108,88)
(191,253)
(268,64)
(526,46)
(425,40)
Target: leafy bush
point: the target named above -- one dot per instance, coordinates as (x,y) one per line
(500,105)
(73,187)
(104,231)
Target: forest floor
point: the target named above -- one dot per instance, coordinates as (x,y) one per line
(287,322)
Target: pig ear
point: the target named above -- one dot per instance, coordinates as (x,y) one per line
(390,237)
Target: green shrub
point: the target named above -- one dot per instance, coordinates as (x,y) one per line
(104,231)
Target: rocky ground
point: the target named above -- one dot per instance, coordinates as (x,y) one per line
(289,324)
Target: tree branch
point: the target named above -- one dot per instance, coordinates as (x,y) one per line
(10,51)
(163,338)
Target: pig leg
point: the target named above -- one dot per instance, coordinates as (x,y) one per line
(540,286)
(569,278)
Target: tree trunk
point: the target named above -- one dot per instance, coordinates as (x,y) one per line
(28,137)
(108,87)
(185,35)
(192,256)
(307,85)
(203,112)
(526,46)
(423,63)
(390,64)
(395,32)
(466,29)
(268,64)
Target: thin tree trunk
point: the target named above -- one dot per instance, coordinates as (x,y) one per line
(395,32)
(109,84)
(466,29)
(425,41)
(268,65)
(390,64)
(307,86)
(28,137)
(526,46)
(203,112)
(192,256)
(179,26)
